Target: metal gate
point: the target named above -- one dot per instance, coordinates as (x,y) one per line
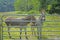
(45,30)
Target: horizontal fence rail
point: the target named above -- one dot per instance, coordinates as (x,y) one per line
(18,20)
(33,26)
(33,31)
(29,21)
(32,35)
(28,14)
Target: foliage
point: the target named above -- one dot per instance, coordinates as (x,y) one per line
(26,5)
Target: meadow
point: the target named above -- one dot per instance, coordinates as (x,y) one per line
(50,28)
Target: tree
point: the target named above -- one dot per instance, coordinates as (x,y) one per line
(26,5)
(55,7)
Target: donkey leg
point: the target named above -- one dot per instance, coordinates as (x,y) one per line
(9,31)
(32,29)
(38,34)
(34,32)
(20,32)
(26,34)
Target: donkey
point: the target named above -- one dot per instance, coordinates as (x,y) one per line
(38,24)
(19,22)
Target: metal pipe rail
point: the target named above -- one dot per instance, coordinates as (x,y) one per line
(29,21)
(33,26)
(32,35)
(20,14)
(33,31)
(40,27)
(27,14)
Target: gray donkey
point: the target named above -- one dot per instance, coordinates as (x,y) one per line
(11,21)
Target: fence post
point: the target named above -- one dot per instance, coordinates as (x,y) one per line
(2,27)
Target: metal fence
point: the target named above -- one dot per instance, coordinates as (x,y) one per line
(44,30)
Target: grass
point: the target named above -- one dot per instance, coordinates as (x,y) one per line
(47,29)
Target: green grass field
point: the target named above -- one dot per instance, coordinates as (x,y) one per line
(49,30)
